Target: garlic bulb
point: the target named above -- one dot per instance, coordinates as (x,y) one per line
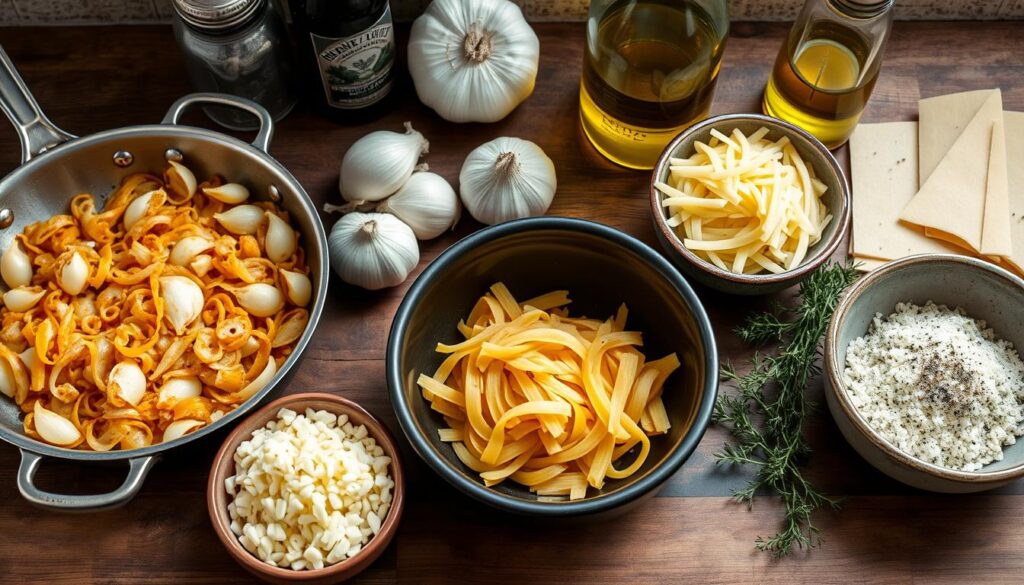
(373,250)
(187,248)
(507,178)
(72,273)
(16,266)
(473,60)
(180,179)
(280,241)
(137,209)
(241,220)
(54,428)
(177,389)
(377,164)
(180,428)
(23,298)
(426,203)
(127,381)
(298,287)
(183,301)
(228,193)
(260,299)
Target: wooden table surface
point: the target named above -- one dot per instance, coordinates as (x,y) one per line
(90,79)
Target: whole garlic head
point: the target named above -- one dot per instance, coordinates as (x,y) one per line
(507,178)
(377,164)
(183,301)
(373,250)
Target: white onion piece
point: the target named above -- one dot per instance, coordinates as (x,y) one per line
(180,428)
(260,381)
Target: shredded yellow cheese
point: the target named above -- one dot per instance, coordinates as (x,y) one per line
(548,401)
(745,203)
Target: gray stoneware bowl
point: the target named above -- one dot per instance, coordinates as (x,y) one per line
(985,292)
(601,268)
(828,171)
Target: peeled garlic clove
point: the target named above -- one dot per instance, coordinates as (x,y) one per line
(187,248)
(177,389)
(228,193)
(183,301)
(23,298)
(180,179)
(54,428)
(127,381)
(73,274)
(427,203)
(260,381)
(377,164)
(260,299)
(243,219)
(180,428)
(372,250)
(280,242)
(16,266)
(201,265)
(136,210)
(291,329)
(297,287)
(250,347)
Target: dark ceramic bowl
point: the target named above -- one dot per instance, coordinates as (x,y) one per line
(828,171)
(601,268)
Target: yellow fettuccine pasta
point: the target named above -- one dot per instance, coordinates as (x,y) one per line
(549,401)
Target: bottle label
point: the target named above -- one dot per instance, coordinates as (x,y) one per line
(356,70)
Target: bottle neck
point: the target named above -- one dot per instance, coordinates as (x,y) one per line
(863,9)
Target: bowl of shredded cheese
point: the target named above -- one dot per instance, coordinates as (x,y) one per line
(552,367)
(748,204)
(307,489)
(923,373)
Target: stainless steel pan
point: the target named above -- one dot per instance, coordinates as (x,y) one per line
(57,165)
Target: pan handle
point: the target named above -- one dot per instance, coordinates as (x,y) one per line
(263,136)
(36,132)
(138,467)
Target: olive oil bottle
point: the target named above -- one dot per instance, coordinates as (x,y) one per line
(824,73)
(649,70)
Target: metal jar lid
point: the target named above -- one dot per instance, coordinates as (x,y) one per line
(216,14)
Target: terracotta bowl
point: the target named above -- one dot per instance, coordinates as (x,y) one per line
(985,292)
(217,498)
(828,171)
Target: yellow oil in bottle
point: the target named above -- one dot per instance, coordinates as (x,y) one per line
(821,85)
(649,71)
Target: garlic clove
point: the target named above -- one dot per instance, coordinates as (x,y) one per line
(373,250)
(260,381)
(127,381)
(243,219)
(183,301)
(23,298)
(280,241)
(297,287)
(16,266)
(180,428)
(72,273)
(177,389)
(228,193)
(427,203)
(187,248)
(9,380)
(291,329)
(201,265)
(507,178)
(137,209)
(180,179)
(251,346)
(260,299)
(380,162)
(54,428)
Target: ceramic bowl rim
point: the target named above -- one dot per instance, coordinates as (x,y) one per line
(838,388)
(446,469)
(373,548)
(825,249)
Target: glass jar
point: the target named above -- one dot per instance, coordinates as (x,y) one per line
(649,71)
(238,47)
(827,68)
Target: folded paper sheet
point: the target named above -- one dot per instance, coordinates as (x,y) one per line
(1014,126)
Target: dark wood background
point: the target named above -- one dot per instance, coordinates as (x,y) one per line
(90,79)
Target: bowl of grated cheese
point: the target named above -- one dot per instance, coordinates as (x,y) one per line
(923,375)
(748,204)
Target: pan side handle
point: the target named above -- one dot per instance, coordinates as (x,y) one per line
(263,136)
(36,132)
(138,467)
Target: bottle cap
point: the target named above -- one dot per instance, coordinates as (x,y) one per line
(864,8)
(215,14)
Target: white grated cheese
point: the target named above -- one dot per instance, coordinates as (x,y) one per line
(938,385)
(309,490)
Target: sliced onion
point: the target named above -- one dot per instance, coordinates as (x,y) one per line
(260,381)
(180,428)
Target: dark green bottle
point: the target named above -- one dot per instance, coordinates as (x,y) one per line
(350,53)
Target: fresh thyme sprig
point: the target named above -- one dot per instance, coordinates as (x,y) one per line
(766,415)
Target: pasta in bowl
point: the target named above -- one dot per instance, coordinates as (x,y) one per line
(151,317)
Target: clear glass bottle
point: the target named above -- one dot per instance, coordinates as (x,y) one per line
(827,68)
(649,71)
(238,47)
